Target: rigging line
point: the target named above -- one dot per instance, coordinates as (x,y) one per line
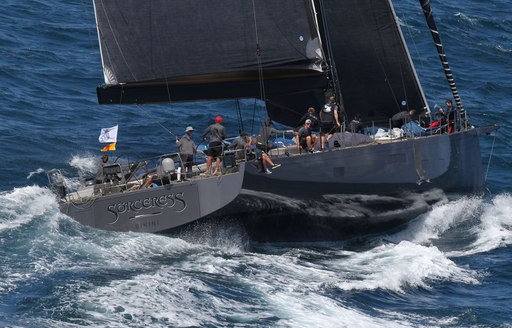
(151,117)
(404,87)
(411,36)
(163,65)
(281,107)
(253,116)
(490,156)
(115,39)
(258,54)
(331,64)
(389,84)
(239,112)
(87,12)
(167,88)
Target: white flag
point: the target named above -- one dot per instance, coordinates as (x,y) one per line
(108,135)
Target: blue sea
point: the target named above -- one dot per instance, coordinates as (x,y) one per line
(450,267)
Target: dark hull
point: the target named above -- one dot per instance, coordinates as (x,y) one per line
(366,189)
(449,162)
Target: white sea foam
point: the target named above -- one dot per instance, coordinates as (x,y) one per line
(86,166)
(294,290)
(22,205)
(501,48)
(21,210)
(173,290)
(397,267)
(494,229)
(466,18)
(209,287)
(38,171)
(315,310)
(484,225)
(87,163)
(439,219)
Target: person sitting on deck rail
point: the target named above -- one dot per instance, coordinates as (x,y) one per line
(356,126)
(307,140)
(310,114)
(263,138)
(243,144)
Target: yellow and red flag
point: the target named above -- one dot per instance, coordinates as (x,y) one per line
(108,147)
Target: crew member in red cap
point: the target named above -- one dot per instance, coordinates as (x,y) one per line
(217,135)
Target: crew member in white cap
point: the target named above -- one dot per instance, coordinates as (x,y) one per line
(187,149)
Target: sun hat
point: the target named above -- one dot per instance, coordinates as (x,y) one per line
(189,128)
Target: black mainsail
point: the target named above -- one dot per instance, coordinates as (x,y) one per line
(180,50)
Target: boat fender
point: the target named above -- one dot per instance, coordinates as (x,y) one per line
(168,166)
(178,171)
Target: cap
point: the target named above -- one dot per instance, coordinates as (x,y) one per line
(189,128)
(308,121)
(218,119)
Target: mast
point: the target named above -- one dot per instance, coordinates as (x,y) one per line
(427,11)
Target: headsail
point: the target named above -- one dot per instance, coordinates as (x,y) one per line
(375,72)
(160,50)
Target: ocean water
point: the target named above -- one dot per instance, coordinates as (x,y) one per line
(450,267)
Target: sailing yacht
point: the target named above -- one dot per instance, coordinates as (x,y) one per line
(292,54)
